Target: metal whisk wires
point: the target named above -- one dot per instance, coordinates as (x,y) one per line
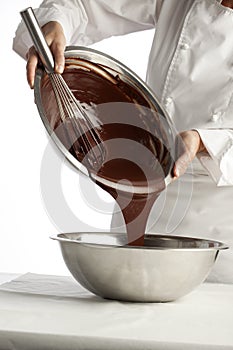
(71,109)
(69,106)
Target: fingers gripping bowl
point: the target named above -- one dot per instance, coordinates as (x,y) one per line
(165,269)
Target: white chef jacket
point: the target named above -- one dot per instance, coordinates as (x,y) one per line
(190,70)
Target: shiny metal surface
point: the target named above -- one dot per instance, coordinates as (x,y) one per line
(38,39)
(167,268)
(116,68)
(69,107)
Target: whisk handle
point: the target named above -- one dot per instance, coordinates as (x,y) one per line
(38,39)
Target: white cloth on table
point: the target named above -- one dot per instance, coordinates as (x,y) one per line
(54,313)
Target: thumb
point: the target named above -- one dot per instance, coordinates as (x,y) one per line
(181,164)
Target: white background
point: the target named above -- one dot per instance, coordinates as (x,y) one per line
(25,225)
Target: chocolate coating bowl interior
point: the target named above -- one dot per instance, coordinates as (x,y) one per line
(165,269)
(118,94)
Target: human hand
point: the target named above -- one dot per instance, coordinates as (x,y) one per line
(189,144)
(55,38)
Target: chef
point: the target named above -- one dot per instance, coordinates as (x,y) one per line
(190,70)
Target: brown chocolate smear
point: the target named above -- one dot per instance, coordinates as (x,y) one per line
(227,3)
(131,133)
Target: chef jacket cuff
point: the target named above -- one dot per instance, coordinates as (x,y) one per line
(218,160)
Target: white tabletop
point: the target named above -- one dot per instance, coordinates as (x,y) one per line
(54,312)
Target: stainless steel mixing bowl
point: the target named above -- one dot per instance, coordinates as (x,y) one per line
(166,268)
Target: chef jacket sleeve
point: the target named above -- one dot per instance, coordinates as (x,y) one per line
(219,160)
(88,21)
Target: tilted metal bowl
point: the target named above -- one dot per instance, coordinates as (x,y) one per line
(165,269)
(115,69)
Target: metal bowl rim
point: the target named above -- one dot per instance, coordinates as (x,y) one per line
(220,246)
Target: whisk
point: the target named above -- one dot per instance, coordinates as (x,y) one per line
(69,107)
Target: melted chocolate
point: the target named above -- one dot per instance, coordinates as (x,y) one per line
(135,160)
(227,3)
